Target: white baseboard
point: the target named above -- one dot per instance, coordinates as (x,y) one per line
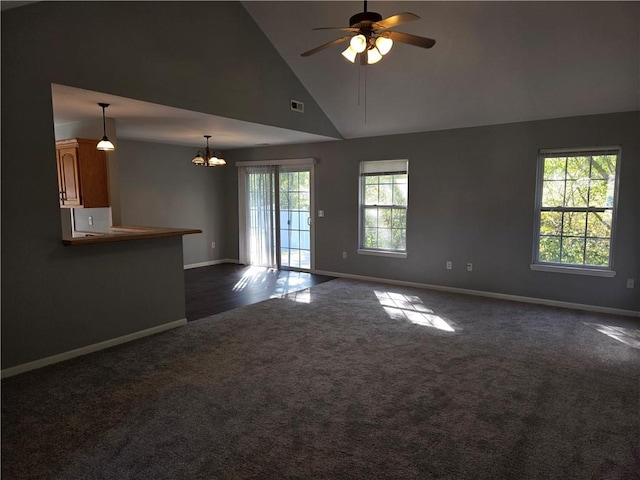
(209,263)
(60,357)
(480,293)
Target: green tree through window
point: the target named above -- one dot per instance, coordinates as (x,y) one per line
(576,193)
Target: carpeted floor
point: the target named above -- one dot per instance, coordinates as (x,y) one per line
(346,380)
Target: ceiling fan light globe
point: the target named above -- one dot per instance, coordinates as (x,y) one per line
(373,56)
(358,43)
(350,54)
(384,45)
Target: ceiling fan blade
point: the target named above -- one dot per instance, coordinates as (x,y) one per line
(326,45)
(414,40)
(395,20)
(348,29)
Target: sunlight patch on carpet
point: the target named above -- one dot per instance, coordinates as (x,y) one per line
(628,336)
(411,308)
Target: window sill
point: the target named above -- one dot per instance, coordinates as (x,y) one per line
(594,272)
(382,253)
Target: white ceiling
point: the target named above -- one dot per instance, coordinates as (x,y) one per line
(494,62)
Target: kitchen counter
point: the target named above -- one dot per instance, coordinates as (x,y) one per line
(125,233)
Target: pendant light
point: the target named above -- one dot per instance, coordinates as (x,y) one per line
(209,159)
(105,144)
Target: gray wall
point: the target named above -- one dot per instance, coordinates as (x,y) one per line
(57,298)
(471,199)
(160,186)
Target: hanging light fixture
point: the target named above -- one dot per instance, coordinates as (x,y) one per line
(374,47)
(105,144)
(209,159)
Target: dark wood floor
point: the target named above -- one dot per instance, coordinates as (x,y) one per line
(218,288)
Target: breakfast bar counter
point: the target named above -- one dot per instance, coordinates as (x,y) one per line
(125,233)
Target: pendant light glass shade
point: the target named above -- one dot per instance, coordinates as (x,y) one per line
(384,45)
(350,54)
(198,159)
(209,159)
(105,144)
(373,56)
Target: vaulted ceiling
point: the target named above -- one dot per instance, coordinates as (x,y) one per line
(493,62)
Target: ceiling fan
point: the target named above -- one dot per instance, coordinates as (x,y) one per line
(370,34)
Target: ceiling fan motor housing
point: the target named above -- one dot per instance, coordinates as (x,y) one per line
(364,19)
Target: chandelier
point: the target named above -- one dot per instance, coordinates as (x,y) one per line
(209,159)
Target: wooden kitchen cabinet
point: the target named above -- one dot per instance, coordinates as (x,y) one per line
(83,179)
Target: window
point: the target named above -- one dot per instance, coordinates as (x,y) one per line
(576,201)
(383,207)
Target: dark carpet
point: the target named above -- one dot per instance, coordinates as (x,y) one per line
(346,380)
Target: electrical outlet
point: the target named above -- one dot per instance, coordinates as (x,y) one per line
(213,244)
(344,254)
(469,267)
(90,218)
(631,283)
(449,265)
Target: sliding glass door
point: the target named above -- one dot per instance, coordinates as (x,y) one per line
(275,215)
(295,218)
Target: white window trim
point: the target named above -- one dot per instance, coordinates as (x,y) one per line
(382,253)
(594,271)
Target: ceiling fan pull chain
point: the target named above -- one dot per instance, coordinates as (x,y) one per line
(365,94)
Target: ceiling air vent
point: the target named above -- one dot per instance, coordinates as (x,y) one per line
(297,106)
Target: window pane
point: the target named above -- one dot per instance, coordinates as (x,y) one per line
(304,201)
(398,238)
(400,194)
(572,250)
(399,218)
(599,224)
(385,194)
(402,178)
(384,218)
(553,193)
(371,180)
(577,193)
(371,217)
(554,168)
(597,252)
(550,223)
(284,200)
(371,194)
(370,238)
(598,193)
(574,224)
(578,167)
(603,166)
(549,250)
(384,238)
